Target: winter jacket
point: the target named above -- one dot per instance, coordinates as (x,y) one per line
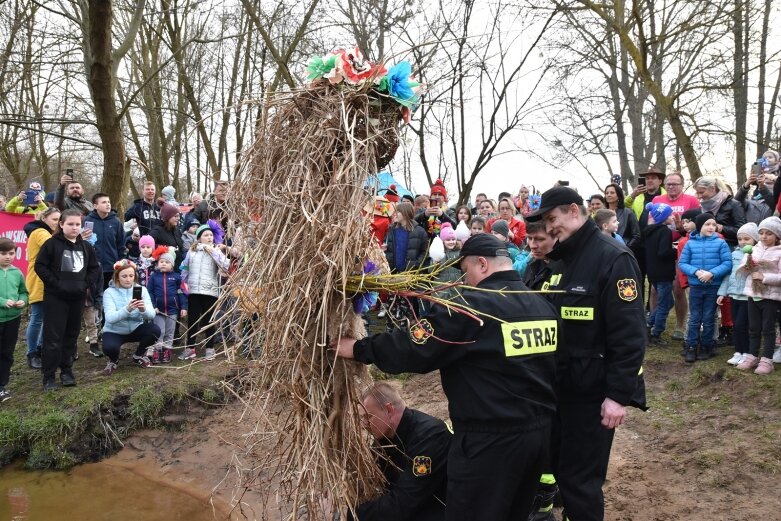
(165,292)
(37,234)
(145,267)
(67,268)
(201,271)
(734,285)
(628,227)
(11,287)
(146,215)
(118,319)
(417,244)
(431,224)
(731,216)
(757,207)
(132,251)
(522,261)
(110,245)
(66,203)
(169,237)
(450,274)
(16,205)
(659,253)
(705,253)
(188,239)
(517,226)
(768,262)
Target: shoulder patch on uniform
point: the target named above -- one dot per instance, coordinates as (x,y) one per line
(627,289)
(421,331)
(421,466)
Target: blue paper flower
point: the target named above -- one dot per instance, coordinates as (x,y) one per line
(363,302)
(535,201)
(398,82)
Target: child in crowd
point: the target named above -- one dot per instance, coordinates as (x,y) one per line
(734,287)
(660,256)
(406,244)
(451,273)
(477,225)
(607,222)
(705,260)
(132,248)
(68,266)
(500,229)
(165,291)
(146,262)
(763,287)
(201,275)
(13,298)
(188,236)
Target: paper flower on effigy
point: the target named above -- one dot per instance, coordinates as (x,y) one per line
(534,202)
(365,300)
(350,67)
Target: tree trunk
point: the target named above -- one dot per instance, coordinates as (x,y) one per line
(102,86)
(740,92)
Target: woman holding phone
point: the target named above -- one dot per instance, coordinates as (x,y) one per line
(128,310)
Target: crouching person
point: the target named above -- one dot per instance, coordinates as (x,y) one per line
(128,311)
(414,447)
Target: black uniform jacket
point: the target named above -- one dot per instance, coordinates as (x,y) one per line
(415,466)
(498,374)
(603,321)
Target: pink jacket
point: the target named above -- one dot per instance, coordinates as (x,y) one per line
(768,262)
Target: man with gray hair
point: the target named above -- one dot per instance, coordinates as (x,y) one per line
(497,370)
(414,449)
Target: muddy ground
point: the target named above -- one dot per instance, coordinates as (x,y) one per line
(709,448)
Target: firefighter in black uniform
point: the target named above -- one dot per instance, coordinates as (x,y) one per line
(498,376)
(601,349)
(414,447)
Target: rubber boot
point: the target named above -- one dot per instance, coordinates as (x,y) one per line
(690,354)
(542,508)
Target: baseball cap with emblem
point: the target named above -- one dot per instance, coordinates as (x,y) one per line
(553,198)
(484,245)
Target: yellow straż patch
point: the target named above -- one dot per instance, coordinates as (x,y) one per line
(530,338)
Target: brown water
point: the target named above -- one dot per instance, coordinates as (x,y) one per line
(94,492)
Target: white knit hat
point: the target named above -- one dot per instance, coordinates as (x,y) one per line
(751,230)
(771,224)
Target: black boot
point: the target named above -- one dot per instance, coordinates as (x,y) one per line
(690,354)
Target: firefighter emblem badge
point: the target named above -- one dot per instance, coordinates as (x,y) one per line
(421,466)
(421,331)
(627,289)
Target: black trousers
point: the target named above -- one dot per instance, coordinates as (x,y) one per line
(495,475)
(9,334)
(199,311)
(580,452)
(145,334)
(762,326)
(61,326)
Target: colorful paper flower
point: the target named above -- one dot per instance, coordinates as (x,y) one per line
(365,300)
(535,201)
(399,84)
(319,66)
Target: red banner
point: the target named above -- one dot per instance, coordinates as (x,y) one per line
(12,227)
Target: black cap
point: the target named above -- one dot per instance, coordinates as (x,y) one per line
(484,245)
(556,196)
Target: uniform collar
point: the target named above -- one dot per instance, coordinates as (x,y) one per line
(499,276)
(575,243)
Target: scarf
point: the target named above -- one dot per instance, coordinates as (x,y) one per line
(713,204)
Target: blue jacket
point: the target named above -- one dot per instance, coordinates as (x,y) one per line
(110,245)
(734,285)
(164,290)
(705,253)
(145,214)
(118,319)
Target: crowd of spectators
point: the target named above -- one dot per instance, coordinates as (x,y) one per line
(120,279)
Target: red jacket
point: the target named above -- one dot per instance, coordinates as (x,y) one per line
(517,226)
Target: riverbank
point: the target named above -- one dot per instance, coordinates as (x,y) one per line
(89,422)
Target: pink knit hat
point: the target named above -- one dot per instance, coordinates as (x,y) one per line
(446,232)
(146,240)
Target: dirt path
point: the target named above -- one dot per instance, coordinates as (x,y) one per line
(700,453)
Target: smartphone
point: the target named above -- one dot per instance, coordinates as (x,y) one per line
(89,225)
(29,197)
(69,172)
(136,292)
(641,180)
(756,170)
(563,183)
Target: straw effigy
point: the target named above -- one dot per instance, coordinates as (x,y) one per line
(298,199)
